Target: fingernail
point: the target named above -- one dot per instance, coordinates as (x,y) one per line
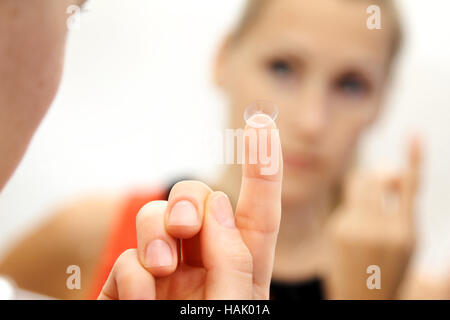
(260,113)
(261,121)
(222,210)
(158,254)
(183,213)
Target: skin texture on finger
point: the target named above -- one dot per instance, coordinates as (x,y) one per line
(227,260)
(157,250)
(258,210)
(128,280)
(184,213)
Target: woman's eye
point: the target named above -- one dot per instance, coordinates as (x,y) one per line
(352,84)
(281,68)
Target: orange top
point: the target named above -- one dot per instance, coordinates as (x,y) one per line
(121,237)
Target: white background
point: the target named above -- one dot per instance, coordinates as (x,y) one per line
(138,77)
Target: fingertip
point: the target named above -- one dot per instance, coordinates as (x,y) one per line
(183,232)
(260,121)
(263,153)
(261,113)
(184,213)
(157,250)
(183,220)
(159,258)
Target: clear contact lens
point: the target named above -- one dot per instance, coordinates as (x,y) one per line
(260,107)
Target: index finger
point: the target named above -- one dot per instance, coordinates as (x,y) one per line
(258,210)
(412,175)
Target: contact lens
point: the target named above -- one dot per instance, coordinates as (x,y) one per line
(260,107)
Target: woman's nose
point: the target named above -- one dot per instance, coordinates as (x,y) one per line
(311,116)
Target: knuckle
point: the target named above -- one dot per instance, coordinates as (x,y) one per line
(126,256)
(242,260)
(123,272)
(123,261)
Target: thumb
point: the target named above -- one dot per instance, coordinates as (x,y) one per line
(227,260)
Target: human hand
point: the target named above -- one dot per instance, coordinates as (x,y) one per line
(373,227)
(222,256)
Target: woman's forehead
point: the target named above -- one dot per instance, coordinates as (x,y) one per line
(335,26)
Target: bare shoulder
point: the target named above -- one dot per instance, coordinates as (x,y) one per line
(74,234)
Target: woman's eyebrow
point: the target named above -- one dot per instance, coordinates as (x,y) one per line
(287,50)
(368,66)
(285,45)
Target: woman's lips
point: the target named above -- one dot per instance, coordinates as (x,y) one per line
(302,161)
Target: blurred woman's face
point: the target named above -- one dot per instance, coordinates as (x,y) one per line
(324,69)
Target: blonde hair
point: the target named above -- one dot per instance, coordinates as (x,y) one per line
(253,8)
